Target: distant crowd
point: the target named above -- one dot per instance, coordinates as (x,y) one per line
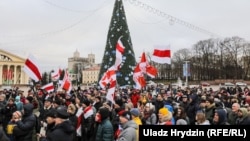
(86,114)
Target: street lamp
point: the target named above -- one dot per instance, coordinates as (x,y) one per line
(79,73)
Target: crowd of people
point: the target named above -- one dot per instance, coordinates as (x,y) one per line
(86,114)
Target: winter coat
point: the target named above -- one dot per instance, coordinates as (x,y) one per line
(245,119)
(24,129)
(129,131)
(105,131)
(3,136)
(61,132)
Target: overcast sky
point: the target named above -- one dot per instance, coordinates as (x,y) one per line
(52,30)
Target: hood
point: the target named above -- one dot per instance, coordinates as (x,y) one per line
(28,109)
(222,115)
(66,126)
(244,112)
(18,98)
(194,98)
(130,123)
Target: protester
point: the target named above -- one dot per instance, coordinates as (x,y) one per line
(63,129)
(24,129)
(105,130)
(165,117)
(129,127)
(220,117)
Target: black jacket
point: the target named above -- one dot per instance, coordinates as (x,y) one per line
(23,131)
(60,132)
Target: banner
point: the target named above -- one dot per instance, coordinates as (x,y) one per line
(186,70)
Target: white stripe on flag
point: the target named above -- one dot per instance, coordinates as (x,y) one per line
(32,69)
(49,87)
(162,55)
(88,113)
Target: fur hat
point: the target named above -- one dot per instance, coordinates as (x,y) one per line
(71,108)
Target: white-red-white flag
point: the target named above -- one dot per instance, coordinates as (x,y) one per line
(66,83)
(106,78)
(49,87)
(119,52)
(109,77)
(32,68)
(162,55)
(88,111)
(143,67)
(138,78)
(79,115)
(111,91)
(56,74)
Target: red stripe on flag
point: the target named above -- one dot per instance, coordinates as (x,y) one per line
(143,57)
(162,53)
(120,47)
(79,120)
(51,87)
(34,68)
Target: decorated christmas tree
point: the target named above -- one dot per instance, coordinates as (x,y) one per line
(118,28)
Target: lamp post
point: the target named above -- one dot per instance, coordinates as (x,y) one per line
(79,73)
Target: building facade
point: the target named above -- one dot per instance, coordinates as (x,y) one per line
(11,70)
(76,64)
(90,75)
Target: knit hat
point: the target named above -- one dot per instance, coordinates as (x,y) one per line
(17,114)
(61,112)
(125,114)
(164,111)
(135,112)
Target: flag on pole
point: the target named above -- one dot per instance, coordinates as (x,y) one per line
(56,74)
(49,87)
(32,68)
(143,67)
(66,83)
(111,91)
(162,55)
(109,77)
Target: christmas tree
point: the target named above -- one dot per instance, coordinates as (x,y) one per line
(118,28)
